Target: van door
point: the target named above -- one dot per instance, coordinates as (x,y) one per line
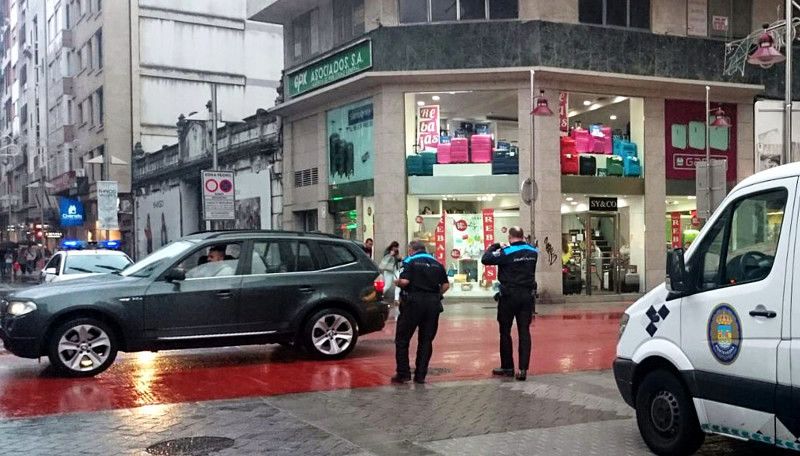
(788,393)
(731,327)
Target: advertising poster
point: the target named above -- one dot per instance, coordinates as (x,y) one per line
(248,215)
(70,212)
(107,205)
(440,240)
(427,127)
(153,211)
(351,147)
(685,126)
(219,195)
(676,232)
(768,133)
(489,272)
(563,117)
(697,18)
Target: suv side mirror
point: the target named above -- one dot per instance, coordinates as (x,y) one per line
(51,271)
(175,275)
(677,276)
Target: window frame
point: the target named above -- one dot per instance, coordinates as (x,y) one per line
(697,261)
(627,26)
(206,245)
(323,251)
(313,249)
(430,20)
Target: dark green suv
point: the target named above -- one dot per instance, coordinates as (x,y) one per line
(209,289)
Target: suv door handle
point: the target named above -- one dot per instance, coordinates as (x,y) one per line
(306,289)
(224,294)
(763,313)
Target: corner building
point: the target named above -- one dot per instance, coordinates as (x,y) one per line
(411,119)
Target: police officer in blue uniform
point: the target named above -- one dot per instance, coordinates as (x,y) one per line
(423,281)
(517,268)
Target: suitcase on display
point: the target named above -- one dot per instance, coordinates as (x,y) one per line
(428,160)
(459,150)
(570,164)
(568,145)
(505,162)
(632,167)
(614,165)
(629,149)
(603,144)
(588,165)
(414,165)
(584,142)
(481,148)
(443,153)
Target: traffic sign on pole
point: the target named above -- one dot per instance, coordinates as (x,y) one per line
(218,195)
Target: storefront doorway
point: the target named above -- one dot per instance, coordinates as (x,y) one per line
(602,253)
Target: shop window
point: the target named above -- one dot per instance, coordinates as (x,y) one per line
(305,35)
(618,13)
(730,19)
(415,11)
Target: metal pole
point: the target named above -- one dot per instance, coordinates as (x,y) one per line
(708,153)
(786,156)
(214,145)
(533,157)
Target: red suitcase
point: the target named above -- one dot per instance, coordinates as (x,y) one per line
(568,146)
(459,150)
(481,148)
(443,153)
(570,164)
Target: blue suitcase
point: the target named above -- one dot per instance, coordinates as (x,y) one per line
(632,167)
(428,160)
(414,165)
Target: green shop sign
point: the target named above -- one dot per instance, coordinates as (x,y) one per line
(338,66)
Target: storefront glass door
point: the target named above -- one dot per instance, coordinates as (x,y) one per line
(601,251)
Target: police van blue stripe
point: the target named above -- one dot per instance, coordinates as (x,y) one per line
(516,248)
(418,255)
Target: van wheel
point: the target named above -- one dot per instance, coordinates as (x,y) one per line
(666,416)
(83,347)
(330,334)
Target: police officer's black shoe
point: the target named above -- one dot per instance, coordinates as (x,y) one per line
(522,375)
(419,380)
(400,379)
(499,371)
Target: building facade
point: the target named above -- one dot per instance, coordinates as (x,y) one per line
(116,78)
(168,188)
(412,119)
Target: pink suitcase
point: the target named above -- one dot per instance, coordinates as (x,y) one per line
(481,148)
(584,143)
(459,150)
(603,144)
(443,153)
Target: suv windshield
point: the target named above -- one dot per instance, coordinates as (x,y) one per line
(150,263)
(95,264)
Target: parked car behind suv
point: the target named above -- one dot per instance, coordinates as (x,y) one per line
(208,289)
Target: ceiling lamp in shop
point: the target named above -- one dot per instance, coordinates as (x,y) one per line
(766,54)
(720,119)
(541,108)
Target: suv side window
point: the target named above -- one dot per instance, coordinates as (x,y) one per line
(742,244)
(337,254)
(218,260)
(280,256)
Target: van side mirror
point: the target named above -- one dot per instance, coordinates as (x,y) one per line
(677,277)
(51,271)
(175,275)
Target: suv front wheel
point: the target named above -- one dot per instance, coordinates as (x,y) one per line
(330,334)
(82,347)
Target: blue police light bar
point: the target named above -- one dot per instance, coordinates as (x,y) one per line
(71,244)
(112,245)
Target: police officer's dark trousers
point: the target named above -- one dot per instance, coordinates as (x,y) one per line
(417,311)
(515,303)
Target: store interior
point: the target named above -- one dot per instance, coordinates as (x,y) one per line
(681,224)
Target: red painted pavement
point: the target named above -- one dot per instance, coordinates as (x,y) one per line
(465,349)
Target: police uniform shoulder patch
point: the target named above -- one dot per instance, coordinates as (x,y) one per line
(724,334)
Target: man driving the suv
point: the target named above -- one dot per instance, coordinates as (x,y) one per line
(217,265)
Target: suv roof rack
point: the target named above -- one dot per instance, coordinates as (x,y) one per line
(219,233)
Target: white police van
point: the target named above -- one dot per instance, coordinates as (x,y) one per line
(716,349)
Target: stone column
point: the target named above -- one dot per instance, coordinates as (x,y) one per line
(288,182)
(745,141)
(325,218)
(655,192)
(547,207)
(389,171)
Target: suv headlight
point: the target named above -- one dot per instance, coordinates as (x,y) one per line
(623,323)
(17,308)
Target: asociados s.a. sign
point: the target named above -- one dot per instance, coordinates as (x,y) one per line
(343,64)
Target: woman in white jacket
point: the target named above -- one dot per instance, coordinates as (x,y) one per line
(390,269)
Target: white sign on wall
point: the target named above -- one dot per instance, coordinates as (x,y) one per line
(107,208)
(768,129)
(219,201)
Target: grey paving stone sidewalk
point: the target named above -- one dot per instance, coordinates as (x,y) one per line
(548,415)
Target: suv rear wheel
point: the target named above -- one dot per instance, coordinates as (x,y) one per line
(666,416)
(82,347)
(330,334)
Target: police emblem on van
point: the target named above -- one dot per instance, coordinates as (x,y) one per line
(724,334)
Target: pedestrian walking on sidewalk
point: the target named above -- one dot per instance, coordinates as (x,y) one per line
(424,282)
(516,301)
(390,269)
